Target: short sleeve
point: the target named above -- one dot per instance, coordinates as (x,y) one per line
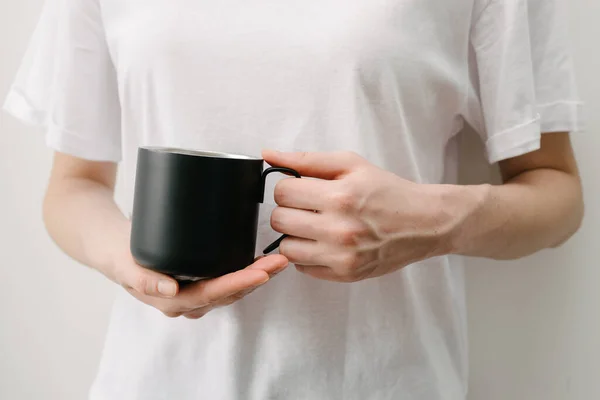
(67,82)
(557,97)
(502,105)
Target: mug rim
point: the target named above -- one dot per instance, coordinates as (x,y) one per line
(200,153)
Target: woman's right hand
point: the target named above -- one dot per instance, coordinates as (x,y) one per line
(196,299)
(82,217)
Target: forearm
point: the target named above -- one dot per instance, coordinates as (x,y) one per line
(83,219)
(535,210)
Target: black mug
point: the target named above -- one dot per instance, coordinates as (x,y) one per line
(195,213)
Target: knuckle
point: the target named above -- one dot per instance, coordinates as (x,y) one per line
(208,301)
(225,303)
(204,298)
(281,191)
(211,300)
(197,314)
(277,220)
(234,298)
(343,200)
(350,236)
(228,301)
(172,314)
(244,293)
(169,310)
(284,248)
(195,304)
(287,249)
(349,263)
(346,237)
(143,284)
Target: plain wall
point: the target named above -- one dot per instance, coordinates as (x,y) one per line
(534,323)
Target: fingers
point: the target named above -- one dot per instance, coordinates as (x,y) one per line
(214,290)
(174,308)
(202,311)
(333,275)
(151,283)
(319,272)
(211,291)
(193,303)
(148,282)
(272,264)
(346,263)
(324,165)
(306,251)
(301,223)
(306,194)
(198,313)
(198,298)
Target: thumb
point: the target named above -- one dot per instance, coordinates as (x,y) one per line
(150,283)
(323,165)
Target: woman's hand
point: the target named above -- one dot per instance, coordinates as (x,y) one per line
(83,219)
(370,222)
(359,221)
(194,300)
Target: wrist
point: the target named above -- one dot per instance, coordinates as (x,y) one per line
(460,210)
(114,250)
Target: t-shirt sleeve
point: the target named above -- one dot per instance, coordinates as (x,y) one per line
(558,102)
(502,105)
(67,82)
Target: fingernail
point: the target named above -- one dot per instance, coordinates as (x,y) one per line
(167,288)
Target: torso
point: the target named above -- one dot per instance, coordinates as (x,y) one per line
(387,79)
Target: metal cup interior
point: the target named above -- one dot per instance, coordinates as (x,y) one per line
(201,153)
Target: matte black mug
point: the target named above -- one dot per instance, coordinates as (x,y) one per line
(195,213)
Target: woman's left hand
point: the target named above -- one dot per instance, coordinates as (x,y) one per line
(358,221)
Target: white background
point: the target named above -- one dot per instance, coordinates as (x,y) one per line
(534,324)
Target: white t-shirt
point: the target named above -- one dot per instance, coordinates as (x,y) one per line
(391,80)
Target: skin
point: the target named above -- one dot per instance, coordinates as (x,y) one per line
(355,222)
(370,222)
(83,219)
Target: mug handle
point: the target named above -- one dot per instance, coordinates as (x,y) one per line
(266,173)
